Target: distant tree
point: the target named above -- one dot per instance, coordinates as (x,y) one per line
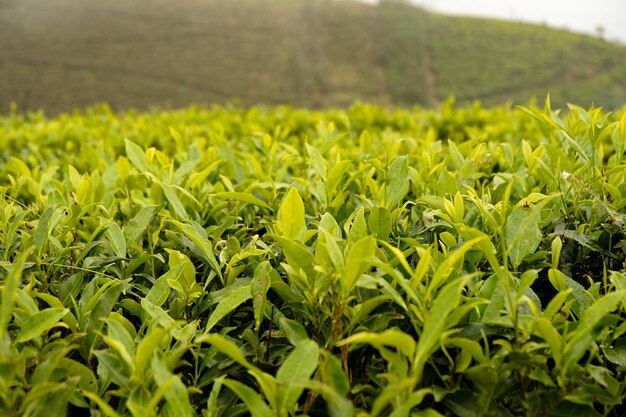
(600,31)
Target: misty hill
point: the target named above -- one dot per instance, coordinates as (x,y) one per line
(67,53)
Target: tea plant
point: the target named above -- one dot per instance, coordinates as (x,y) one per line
(283,262)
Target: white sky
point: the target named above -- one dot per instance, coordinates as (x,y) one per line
(577,15)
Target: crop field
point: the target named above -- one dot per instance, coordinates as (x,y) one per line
(224,262)
(62,54)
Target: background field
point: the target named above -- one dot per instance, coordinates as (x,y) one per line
(73,53)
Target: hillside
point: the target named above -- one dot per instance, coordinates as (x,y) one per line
(73,53)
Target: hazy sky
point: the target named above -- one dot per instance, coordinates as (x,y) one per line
(577,15)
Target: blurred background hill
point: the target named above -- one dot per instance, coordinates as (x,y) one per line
(62,54)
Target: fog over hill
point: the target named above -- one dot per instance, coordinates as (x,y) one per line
(73,53)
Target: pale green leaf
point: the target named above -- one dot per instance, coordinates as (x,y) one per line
(160,316)
(138,224)
(297,368)
(379,222)
(258,290)
(253,401)
(227,347)
(437,322)
(295,332)
(147,347)
(317,160)
(522,233)
(546,330)
(583,337)
(11,283)
(176,395)
(291,216)
(39,323)
(397,181)
(233,300)
(41,234)
(106,409)
(390,337)
(243,197)
(137,156)
(116,239)
(359,259)
(178,208)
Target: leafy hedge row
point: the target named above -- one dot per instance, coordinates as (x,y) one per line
(279,262)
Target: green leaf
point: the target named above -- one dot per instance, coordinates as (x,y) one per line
(87,379)
(522,233)
(391,337)
(203,245)
(41,234)
(258,290)
(175,135)
(583,299)
(136,155)
(146,349)
(244,197)
(493,314)
(101,305)
(317,160)
(212,408)
(583,336)
(358,228)
(174,202)
(554,306)
(379,222)
(437,322)
(160,316)
(470,347)
(327,243)
(11,283)
(334,375)
(416,398)
(227,347)
(295,332)
(176,395)
(336,403)
(297,368)
(116,239)
(329,224)
(397,182)
(547,331)
(233,300)
(291,216)
(335,174)
(253,401)
(106,409)
(110,366)
(39,323)
(297,255)
(587,242)
(160,290)
(138,224)
(359,259)
(616,355)
(116,331)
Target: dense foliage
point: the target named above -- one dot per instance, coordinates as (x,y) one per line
(279,262)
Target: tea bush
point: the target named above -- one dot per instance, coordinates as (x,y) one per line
(282,262)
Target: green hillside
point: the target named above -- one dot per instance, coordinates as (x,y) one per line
(71,53)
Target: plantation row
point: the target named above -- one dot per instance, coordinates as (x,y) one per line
(282,262)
